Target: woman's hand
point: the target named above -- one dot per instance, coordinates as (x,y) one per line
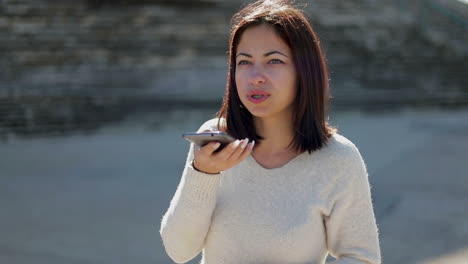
(208,161)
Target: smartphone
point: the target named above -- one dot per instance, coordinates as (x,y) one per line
(203,138)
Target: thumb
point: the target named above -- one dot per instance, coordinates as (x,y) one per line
(209,148)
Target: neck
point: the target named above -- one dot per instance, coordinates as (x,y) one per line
(277,132)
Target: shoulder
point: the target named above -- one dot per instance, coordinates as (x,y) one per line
(340,153)
(211,124)
(340,146)
(347,157)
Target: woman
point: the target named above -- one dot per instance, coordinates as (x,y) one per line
(297,194)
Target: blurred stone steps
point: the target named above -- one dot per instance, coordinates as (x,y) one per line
(176,51)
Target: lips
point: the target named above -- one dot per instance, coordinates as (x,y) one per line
(257,96)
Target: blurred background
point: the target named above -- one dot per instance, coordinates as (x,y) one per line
(95,94)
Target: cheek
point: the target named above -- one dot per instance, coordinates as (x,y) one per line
(239,83)
(289,85)
(286,79)
(292,80)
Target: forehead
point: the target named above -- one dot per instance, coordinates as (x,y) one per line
(261,37)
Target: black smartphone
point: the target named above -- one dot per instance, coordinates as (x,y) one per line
(203,138)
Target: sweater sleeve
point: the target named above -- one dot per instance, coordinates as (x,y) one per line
(185,224)
(352,234)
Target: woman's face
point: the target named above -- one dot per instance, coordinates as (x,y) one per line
(265,72)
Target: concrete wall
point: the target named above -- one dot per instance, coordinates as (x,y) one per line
(58,58)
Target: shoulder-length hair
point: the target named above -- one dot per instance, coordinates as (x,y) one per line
(312,130)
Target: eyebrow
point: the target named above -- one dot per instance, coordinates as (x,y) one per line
(266,54)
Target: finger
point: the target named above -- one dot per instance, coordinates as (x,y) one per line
(239,150)
(209,148)
(226,152)
(246,151)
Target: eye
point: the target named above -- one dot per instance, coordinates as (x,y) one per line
(276,61)
(243,62)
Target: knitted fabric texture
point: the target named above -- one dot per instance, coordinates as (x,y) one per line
(316,204)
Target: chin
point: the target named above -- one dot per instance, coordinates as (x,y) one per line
(268,111)
(261,113)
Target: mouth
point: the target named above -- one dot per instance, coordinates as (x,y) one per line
(257,96)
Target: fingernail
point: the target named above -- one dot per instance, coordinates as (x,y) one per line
(236,143)
(244,143)
(216,145)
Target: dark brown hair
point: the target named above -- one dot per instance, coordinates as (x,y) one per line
(312,90)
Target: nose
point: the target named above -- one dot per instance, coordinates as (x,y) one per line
(257,76)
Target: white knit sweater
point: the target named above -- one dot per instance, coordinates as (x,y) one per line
(316,204)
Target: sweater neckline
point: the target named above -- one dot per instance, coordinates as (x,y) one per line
(291,162)
(285,166)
